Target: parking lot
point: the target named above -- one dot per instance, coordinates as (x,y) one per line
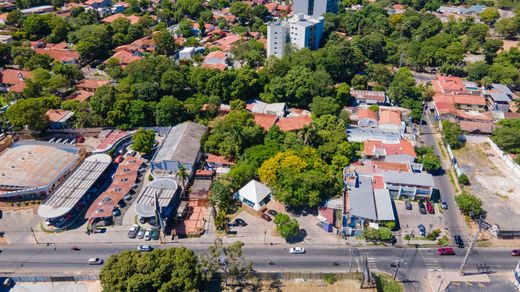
(410,219)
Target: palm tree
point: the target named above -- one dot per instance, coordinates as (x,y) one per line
(182,174)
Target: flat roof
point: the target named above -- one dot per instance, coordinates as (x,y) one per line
(385,211)
(422,179)
(75,186)
(164,188)
(35,164)
(361,199)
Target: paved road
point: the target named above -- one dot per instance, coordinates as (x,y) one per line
(454,220)
(59,260)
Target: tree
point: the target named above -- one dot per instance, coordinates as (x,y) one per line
(324,106)
(451,133)
(169,111)
(227,262)
(13,17)
(340,59)
(287,227)
(491,48)
(469,204)
(165,44)
(508,28)
(381,234)
(251,52)
(241,10)
(343,96)
(403,88)
(144,140)
(427,157)
(359,82)
(182,174)
(221,195)
(489,15)
(30,112)
(477,34)
(91,41)
(463,179)
(172,269)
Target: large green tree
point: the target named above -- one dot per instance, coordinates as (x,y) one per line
(144,140)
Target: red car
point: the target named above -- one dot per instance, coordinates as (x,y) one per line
(429,207)
(445,251)
(266,217)
(515,252)
(118,159)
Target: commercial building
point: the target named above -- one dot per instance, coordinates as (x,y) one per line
(181,146)
(33,169)
(158,200)
(66,200)
(315,7)
(300,31)
(254,194)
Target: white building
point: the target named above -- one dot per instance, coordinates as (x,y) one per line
(315,7)
(254,194)
(301,31)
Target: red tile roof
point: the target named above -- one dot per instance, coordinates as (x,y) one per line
(265,121)
(61,55)
(81,95)
(448,84)
(293,123)
(390,117)
(403,147)
(378,183)
(218,159)
(56,115)
(124,57)
(91,84)
(220,67)
(132,18)
(365,113)
(14,79)
(476,127)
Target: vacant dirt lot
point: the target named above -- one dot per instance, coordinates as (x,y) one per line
(491,181)
(313,285)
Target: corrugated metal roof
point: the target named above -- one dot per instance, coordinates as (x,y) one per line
(165,189)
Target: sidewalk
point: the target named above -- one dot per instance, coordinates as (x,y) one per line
(439,281)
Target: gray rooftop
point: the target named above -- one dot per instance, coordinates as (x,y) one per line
(422,179)
(385,211)
(363,134)
(182,144)
(75,186)
(361,199)
(165,189)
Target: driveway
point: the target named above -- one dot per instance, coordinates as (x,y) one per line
(410,219)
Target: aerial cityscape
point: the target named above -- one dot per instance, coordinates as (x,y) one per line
(260,145)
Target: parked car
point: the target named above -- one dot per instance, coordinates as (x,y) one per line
(266,217)
(297,250)
(407,205)
(445,251)
(154,234)
(147,235)
(132,232)
(144,248)
(458,241)
(116,212)
(80,139)
(142,220)
(422,208)
(127,198)
(240,222)
(140,234)
(121,204)
(429,207)
(272,212)
(444,205)
(422,230)
(515,252)
(119,158)
(95,261)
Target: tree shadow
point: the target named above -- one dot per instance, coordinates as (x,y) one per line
(299,238)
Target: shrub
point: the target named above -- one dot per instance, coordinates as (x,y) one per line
(150,177)
(463,179)
(469,204)
(389,224)
(433,234)
(330,278)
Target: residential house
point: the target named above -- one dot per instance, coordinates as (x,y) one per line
(498,97)
(58,52)
(80,95)
(266,121)
(3,18)
(390,152)
(258,106)
(462,102)
(254,195)
(367,118)
(391,120)
(226,43)
(6,39)
(125,57)
(38,10)
(97,4)
(58,118)
(219,164)
(187,53)
(369,96)
(132,18)
(12,80)
(91,85)
(454,85)
(216,60)
(293,123)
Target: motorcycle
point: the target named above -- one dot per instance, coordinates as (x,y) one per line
(270,263)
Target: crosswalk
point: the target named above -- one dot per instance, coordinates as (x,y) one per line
(430,259)
(371,263)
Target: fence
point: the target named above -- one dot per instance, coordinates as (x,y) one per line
(41,278)
(453,159)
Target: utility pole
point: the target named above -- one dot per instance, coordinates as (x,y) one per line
(402,255)
(464,261)
(351,258)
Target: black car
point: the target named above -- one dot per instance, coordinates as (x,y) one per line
(407,205)
(422,208)
(458,241)
(272,212)
(240,222)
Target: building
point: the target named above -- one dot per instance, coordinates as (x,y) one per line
(300,31)
(158,200)
(259,107)
(12,80)
(91,85)
(181,146)
(38,10)
(6,39)
(454,85)
(254,194)
(516,273)
(33,169)
(58,118)
(369,97)
(390,152)
(187,53)
(409,184)
(293,123)
(498,97)
(216,60)
(67,201)
(315,7)
(97,4)
(59,52)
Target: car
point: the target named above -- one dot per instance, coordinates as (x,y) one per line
(407,205)
(272,212)
(297,250)
(144,247)
(119,158)
(458,241)
(140,234)
(422,230)
(127,198)
(116,212)
(147,235)
(95,261)
(445,251)
(121,204)
(154,234)
(444,205)
(422,208)
(142,220)
(515,252)
(240,222)
(266,217)
(80,139)
(429,207)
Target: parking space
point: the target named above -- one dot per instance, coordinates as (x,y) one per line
(410,219)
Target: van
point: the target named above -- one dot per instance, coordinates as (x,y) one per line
(95,261)
(181,210)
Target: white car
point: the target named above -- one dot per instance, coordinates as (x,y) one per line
(95,261)
(297,250)
(147,234)
(144,248)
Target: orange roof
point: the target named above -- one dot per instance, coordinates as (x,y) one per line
(271,7)
(81,95)
(366,114)
(217,55)
(445,107)
(218,159)
(403,147)
(12,76)
(220,67)
(398,7)
(91,83)
(378,183)
(375,166)
(3,16)
(265,121)
(204,172)
(124,4)
(447,84)
(124,57)
(56,115)
(476,127)
(389,117)
(469,99)
(132,18)
(293,123)
(62,55)
(474,116)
